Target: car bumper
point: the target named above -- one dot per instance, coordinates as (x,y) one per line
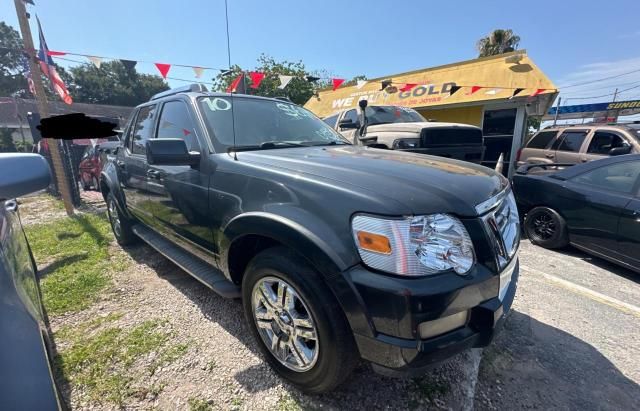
(395,308)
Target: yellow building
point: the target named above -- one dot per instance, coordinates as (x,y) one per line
(483,95)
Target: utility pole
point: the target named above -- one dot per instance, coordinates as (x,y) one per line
(615,94)
(555,118)
(41,101)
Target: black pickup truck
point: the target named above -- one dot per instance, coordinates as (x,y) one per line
(339,252)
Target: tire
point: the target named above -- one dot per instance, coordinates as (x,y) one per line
(321,364)
(95,183)
(120,224)
(85,186)
(546,228)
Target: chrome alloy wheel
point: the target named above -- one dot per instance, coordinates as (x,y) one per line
(112,208)
(285,324)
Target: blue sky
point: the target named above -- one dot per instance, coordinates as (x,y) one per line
(571,41)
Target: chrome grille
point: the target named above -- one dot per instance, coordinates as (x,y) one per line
(503,224)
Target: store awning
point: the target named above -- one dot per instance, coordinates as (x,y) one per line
(496,76)
(595,110)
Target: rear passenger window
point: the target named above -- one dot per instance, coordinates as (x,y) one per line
(542,139)
(603,141)
(142,129)
(572,141)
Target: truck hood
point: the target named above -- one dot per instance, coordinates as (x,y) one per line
(423,184)
(411,127)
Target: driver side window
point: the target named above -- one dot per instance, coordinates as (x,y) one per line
(620,177)
(351,115)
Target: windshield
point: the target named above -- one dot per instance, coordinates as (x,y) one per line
(263,124)
(635,128)
(392,114)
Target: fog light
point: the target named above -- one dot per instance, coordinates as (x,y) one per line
(430,329)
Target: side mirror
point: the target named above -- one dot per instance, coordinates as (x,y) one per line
(620,150)
(347,123)
(170,152)
(22,174)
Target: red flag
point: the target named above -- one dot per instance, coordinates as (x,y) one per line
(408,86)
(475,88)
(337,82)
(56,53)
(163,69)
(185,132)
(233,87)
(256,78)
(538,91)
(49,69)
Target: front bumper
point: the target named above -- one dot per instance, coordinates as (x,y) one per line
(395,307)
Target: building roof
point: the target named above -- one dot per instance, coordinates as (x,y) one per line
(498,76)
(10,107)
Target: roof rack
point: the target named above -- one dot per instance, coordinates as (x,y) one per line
(191,88)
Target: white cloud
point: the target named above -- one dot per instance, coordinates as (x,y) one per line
(629,35)
(598,75)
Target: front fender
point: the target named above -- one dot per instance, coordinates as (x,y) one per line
(317,243)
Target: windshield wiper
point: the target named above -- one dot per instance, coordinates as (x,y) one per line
(326,143)
(276,144)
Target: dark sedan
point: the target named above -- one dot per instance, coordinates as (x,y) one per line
(593,206)
(26,380)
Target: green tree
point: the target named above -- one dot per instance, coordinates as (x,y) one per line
(299,90)
(11,78)
(113,84)
(497,42)
(6,141)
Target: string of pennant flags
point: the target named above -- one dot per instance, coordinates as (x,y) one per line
(256,77)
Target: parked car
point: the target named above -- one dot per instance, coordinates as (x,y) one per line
(92,161)
(594,206)
(402,128)
(337,251)
(579,143)
(25,343)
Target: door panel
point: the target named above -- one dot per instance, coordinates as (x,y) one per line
(592,216)
(178,195)
(599,198)
(629,233)
(132,162)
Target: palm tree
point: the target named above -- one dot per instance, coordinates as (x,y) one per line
(498,42)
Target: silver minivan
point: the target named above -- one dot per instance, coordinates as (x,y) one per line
(580,143)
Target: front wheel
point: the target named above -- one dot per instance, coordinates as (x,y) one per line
(298,324)
(546,228)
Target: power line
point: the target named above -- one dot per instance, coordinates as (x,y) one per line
(604,95)
(610,86)
(599,80)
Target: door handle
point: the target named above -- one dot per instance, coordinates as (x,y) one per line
(548,155)
(11,205)
(156,174)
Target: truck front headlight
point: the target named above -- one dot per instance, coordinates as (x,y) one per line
(420,245)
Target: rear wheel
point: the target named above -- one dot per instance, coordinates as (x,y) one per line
(299,327)
(95,183)
(546,228)
(120,224)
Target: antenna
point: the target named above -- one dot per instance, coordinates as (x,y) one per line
(233,117)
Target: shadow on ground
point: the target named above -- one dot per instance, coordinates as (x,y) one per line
(363,390)
(536,366)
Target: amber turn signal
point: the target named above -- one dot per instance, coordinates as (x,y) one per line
(374,242)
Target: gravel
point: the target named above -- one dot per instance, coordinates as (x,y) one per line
(222,366)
